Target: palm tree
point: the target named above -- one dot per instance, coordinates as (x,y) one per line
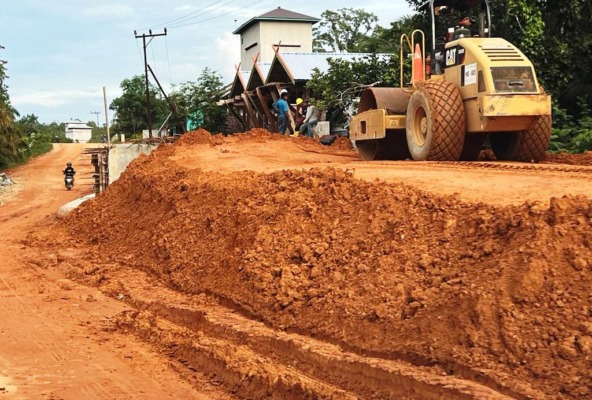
(10,138)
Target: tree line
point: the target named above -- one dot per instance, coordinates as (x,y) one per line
(23,137)
(194,101)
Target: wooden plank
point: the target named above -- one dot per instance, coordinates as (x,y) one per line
(271,122)
(250,112)
(257,122)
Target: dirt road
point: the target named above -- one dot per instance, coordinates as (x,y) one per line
(246,267)
(53,339)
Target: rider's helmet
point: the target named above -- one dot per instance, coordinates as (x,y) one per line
(68,164)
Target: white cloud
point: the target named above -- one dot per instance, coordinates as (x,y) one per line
(184,8)
(228,54)
(55,98)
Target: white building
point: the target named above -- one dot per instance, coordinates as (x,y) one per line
(78,131)
(280,29)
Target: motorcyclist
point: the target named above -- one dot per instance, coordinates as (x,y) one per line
(69,171)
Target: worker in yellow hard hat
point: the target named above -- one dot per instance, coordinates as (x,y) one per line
(300,112)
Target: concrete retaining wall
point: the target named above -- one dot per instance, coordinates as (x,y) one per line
(123,154)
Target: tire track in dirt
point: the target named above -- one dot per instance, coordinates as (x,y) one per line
(200,334)
(537,168)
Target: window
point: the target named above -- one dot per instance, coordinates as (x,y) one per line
(513,79)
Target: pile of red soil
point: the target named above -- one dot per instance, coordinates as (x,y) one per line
(342,145)
(569,158)
(258,133)
(500,293)
(200,136)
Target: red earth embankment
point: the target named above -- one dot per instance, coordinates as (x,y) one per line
(382,269)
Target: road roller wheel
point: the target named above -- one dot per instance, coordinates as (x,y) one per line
(392,147)
(436,122)
(368,149)
(525,146)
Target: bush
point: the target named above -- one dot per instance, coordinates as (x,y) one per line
(570,134)
(29,147)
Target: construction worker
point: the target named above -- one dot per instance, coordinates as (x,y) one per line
(310,119)
(281,108)
(463,29)
(300,112)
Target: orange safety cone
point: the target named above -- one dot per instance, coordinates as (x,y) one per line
(417,65)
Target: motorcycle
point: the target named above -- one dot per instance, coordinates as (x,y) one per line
(69,182)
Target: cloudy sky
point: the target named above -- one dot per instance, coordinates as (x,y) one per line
(61,53)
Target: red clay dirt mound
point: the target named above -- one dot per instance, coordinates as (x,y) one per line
(342,145)
(550,158)
(500,294)
(200,136)
(569,158)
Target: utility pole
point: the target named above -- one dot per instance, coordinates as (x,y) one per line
(97,114)
(150,36)
(106,117)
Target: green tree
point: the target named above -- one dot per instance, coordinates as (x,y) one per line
(10,137)
(337,90)
(557,38)
(201,97)
(130,108)
(387,40)
(344,30)
(30,126)
(568,41)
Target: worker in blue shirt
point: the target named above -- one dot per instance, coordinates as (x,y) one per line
(281,108)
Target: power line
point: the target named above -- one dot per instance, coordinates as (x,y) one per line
(217,16)
(139,53)
(183,17)
(166,43)
(153,57)
(204,13)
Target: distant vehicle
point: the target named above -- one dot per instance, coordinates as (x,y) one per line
(69,181)
(69,173)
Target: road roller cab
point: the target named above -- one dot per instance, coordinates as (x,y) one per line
(474,86)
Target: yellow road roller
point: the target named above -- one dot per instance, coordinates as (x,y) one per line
(470,87)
